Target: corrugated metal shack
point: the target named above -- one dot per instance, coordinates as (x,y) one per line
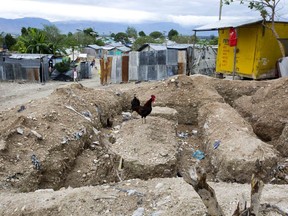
(29,67)
(156,62)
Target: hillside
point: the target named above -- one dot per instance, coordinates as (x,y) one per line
(14,26)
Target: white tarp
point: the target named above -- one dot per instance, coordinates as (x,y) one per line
(283,67)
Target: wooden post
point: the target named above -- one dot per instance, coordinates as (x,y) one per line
(196,177)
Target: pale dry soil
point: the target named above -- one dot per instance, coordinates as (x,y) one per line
(83,180)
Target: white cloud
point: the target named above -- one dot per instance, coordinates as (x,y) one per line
(130,11)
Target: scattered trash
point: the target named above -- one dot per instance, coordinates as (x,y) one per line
(65,140)
(37,134)
(198,155)
(20,131)
(183,135)
(14,177)
(71,108)
(126,116)
(87,113)
(157,213)
(22,107)
(194,132)
(138,212)
(96,143)
(130,192)
(79,134)
(216,144)
(96,131)
(35,162)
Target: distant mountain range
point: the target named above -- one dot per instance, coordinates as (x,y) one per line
(13,26)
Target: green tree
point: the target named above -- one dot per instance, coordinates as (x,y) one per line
(2,39)
(156,35)
(121,37)
(63,66)
(99,42)
(140,41)
(84,39)
(131,32)
(10,41)
(24,31)
(91,32)
(172,33)
(33,42)
(180,39)
(142,34)
(213,40)
(267,9)
(54,39)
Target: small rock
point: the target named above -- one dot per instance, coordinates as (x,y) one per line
(92,146)
(159,185)
(3,145)
(138,212)
(96,143)
(106,156)
(22,107)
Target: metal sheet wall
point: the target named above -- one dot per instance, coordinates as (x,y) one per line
(33,70)
(116,70)
(157,65)
(204,61)
(133,65)
(152,65)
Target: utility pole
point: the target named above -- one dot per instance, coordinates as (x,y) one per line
(220,9)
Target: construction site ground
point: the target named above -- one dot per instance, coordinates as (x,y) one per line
(76,149)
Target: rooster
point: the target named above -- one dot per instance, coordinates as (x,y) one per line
(145,110)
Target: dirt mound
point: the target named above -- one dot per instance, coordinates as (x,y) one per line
(147,150)
(79,136)
(166,196)
(56,130)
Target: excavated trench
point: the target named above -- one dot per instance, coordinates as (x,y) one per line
(75,151)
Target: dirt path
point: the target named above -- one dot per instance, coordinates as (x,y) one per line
(18,93)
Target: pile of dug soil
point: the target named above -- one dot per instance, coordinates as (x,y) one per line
(81,136)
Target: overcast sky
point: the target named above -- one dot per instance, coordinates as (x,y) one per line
(184,12)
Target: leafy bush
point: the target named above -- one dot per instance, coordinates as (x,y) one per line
(63,66)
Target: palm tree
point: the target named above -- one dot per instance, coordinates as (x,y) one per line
(33,42)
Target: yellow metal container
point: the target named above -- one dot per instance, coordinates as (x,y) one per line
(256,53)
